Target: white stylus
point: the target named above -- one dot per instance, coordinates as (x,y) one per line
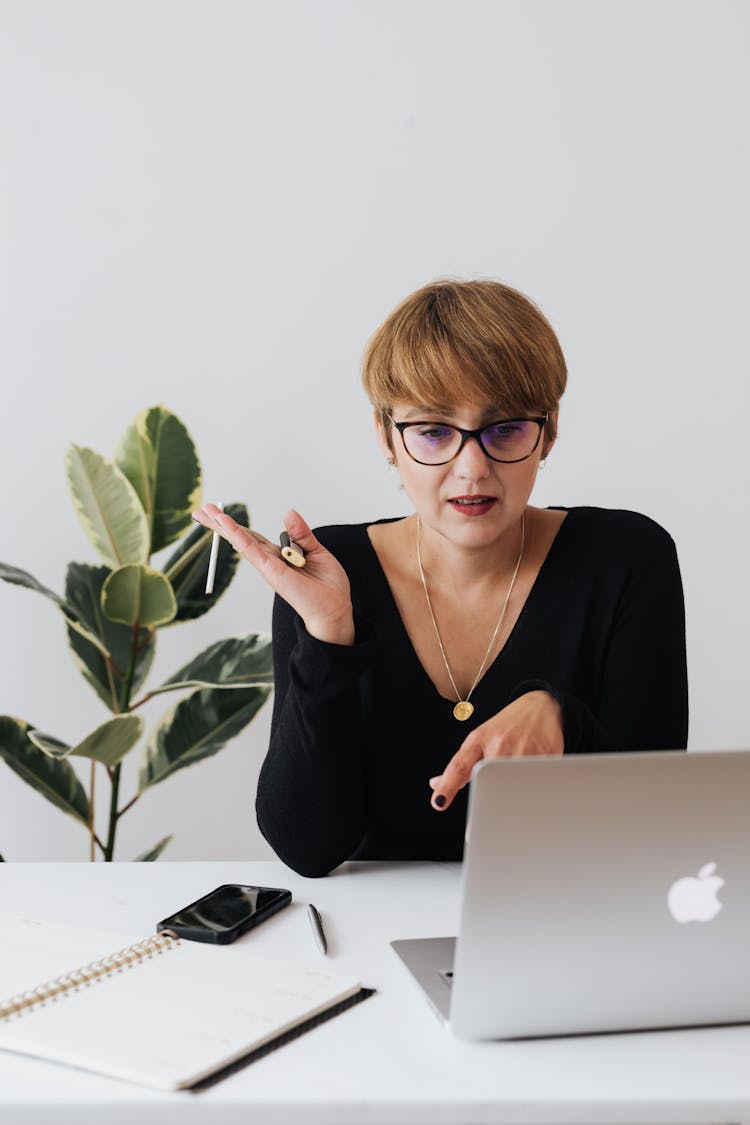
(213,556)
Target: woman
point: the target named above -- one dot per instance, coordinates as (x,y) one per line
(408,649)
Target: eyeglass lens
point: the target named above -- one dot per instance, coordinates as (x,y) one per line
(433,443)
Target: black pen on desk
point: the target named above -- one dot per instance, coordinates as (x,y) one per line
(291,552)
(317,928)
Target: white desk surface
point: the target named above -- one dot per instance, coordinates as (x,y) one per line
(388,1060)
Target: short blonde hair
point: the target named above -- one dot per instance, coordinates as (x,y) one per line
(454,342)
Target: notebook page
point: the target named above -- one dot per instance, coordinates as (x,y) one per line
(33,951)
(167,1021)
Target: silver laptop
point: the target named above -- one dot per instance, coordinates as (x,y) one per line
(600,893)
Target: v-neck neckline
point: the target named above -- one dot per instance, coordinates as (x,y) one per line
(531,597)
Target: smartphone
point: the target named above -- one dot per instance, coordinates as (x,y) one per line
(224,914)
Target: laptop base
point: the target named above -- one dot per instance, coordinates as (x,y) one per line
(430,962)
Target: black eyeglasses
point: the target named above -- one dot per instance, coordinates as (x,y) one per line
(436,443)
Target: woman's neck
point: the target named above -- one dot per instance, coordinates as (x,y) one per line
(455,568)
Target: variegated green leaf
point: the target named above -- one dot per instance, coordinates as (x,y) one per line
(138,595)
(108,744)
(83,591)
(197,728)
(55,780)
(22,578)
(108,507)
(153,853)
(48,744)
(235,662)
(187,567)
(158,457)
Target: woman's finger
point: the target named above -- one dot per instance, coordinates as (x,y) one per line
(300,531)
(250,544)
(318,592)
(212,517)
(529,726)
(291,584)
(455,775)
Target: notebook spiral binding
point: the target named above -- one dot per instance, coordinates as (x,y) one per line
(88,974)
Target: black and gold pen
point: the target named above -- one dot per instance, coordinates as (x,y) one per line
(291,552)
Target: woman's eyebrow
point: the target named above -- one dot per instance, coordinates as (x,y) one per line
(426,408)
(489,414)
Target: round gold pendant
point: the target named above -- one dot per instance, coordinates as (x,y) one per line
(463,710)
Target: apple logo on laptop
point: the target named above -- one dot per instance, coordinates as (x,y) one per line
(694,899)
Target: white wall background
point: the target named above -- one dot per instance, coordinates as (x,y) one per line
(213,204)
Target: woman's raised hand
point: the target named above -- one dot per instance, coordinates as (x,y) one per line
(319,592)
(529,726)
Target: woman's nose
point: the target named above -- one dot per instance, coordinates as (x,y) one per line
(472,463)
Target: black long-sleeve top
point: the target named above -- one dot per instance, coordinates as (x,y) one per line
(358,730)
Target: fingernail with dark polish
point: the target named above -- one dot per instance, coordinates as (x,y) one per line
(440,800)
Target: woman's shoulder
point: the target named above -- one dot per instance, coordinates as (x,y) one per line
(617,526)
(351,539)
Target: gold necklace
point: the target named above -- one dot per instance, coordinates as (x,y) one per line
(463,709)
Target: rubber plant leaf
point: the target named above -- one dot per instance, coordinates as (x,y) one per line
(108,744)
(196,728)
(158,456)
(153,853)
(138,595)
(236,662)
(83,591)
(55,780)
(22,578)
(108,507)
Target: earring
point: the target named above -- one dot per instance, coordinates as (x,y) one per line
(542,463)
(390,462)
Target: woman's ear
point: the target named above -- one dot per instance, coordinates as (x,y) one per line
(384,437)
(547,441)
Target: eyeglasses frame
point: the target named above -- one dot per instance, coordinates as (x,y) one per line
(466,435)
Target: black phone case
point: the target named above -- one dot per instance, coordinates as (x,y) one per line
(225,937)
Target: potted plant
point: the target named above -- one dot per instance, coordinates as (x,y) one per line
(132,507)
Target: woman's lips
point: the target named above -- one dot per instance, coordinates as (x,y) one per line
(472,505)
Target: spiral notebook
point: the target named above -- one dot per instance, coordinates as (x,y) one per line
(159,1011)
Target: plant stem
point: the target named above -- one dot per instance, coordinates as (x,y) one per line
(128,682)
(112,671)
(92,790)
(144,699)
(129,805)
(110,846)
(114,816)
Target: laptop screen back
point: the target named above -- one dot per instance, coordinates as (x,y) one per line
(604,893)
